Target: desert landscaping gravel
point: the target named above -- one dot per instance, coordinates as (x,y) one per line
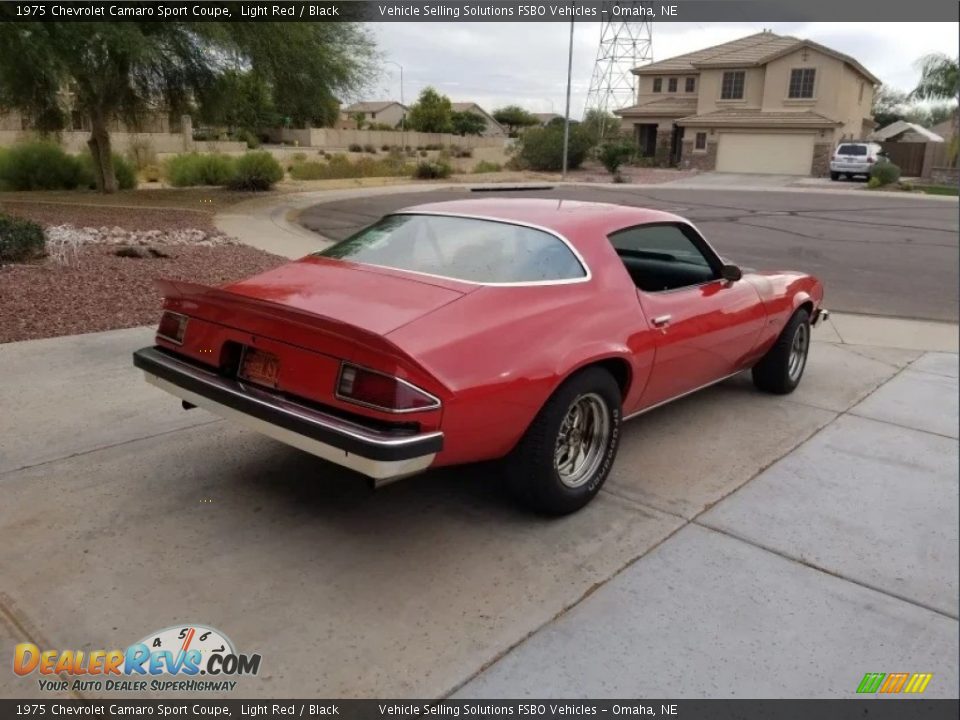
(97,290)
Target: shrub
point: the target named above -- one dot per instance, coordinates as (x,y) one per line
(355,147)
(542,148)
(340,166)
(128,252)
(614,154)
(39,166)
(20,240)
(873,183)
(423,153)
(385,147)
(123,171)
(248,137)
(485,166)
(152,173)
(432,170)
(255,171)
(460,152)
(906,186)
(368,148)
(433,146)
(196,169)
(885,172)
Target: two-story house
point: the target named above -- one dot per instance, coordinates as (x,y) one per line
(375,112)
(765,103)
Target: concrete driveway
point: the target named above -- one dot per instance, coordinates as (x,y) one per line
(745,543)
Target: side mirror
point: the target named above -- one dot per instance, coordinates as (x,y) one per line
(731,273)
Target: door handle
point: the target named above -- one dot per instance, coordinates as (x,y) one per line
(661,320)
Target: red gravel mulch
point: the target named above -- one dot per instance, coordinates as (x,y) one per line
(101,291)
(96,216)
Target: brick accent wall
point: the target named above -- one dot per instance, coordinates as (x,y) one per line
(945,176)
(703,161)
(821,159)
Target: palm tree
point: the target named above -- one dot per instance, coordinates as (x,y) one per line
(940,80)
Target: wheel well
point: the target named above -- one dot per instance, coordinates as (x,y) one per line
(806,305)
(620,369)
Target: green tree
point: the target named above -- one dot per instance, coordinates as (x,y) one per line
(889,105)
(239,100)
(514,118)
(467,123)
(940,80)
(431,113)
(121,70)
(601,125)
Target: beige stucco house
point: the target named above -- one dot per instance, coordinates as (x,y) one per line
(386,112)
(493,128)
(765,103)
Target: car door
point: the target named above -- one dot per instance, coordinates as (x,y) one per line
(705,327)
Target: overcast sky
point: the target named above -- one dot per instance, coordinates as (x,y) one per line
(496,64)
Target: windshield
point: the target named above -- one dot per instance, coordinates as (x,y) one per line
(481,251)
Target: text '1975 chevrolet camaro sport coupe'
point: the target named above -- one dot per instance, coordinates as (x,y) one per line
(472,330)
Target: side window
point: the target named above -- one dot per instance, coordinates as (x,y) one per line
(663,257)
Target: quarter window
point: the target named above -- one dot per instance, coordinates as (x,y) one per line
(732,85)
(691,84)
(672,85)
(657,84)
(801,82)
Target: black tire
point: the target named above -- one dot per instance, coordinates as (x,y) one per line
(776,372)
(834,176)
(531,469)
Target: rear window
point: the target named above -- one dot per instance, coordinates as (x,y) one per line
(481,251)
(852,150)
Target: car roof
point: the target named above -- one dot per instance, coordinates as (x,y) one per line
(568,218)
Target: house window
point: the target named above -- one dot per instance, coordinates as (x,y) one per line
(701,142)
(732,86)
(691,84)
(672,85)
(657,84)
(801,82)
(860,99)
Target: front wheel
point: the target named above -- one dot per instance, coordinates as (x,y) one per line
(834,176)
(566,454)
(780,370)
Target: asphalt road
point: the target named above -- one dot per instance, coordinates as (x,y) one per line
(883,255)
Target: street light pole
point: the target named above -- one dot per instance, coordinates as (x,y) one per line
(403,117)
(566,121)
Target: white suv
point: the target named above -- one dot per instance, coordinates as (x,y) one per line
(854,158)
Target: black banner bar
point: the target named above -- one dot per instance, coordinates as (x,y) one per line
(875,708)
(477,11)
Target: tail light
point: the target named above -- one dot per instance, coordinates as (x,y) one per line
(172,327)
(871,160)
(377,390)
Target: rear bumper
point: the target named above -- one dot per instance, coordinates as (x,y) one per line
(379,455)
(852,168)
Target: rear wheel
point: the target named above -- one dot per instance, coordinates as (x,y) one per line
(834,176)
(780,370)
(566,454)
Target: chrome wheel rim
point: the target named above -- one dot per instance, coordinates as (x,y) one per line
(798,352)
(582,440)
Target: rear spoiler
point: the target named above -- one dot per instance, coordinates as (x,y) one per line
(204,295)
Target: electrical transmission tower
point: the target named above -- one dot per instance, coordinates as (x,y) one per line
(623,46)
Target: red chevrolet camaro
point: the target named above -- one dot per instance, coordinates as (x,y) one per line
(475,330)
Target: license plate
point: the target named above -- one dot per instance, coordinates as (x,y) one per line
(259,367)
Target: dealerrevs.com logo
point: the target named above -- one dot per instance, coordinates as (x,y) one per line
(179,658)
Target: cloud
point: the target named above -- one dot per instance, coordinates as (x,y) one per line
(496,64)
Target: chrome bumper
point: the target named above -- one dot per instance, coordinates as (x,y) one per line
(819,316)
(379,455)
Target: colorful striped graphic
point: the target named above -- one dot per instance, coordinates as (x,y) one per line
(889,683)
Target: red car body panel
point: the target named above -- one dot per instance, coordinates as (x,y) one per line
(492,354)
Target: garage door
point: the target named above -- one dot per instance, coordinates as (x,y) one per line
(758,153)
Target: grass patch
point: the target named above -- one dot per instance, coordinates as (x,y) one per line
(938,189)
